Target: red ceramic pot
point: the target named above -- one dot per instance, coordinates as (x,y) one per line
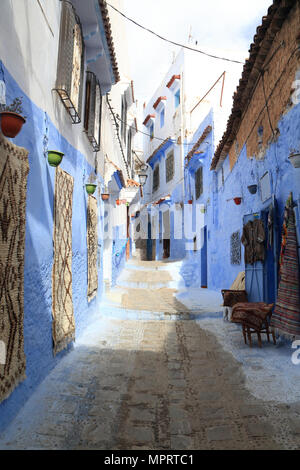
(11,123)
(190,201)
(237,200)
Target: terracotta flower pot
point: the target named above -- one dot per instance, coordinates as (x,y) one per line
(105,196)
(237,200)
(11,123)
(118,202)
(90,188)
(54,157)
(190,201)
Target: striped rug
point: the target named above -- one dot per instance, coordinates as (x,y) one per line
(286,316)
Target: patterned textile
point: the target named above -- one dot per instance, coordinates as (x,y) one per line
(14,169)
(288,205)
(251,314)
(63,326)
(286,317)
(231,297)
(92,246)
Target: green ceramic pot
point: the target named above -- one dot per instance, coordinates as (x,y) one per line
(90,188)
(54,157)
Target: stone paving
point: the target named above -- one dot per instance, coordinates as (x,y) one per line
(132,384)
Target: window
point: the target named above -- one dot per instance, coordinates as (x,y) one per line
(70,65)
(129,137)
(177,98)
(162,117)
(124,118)
(199,182)
(151,130)
(92,115)
(156,178)
(169,166)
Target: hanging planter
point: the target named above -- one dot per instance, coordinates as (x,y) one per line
(118,202)
(11,118)
(252,188)
(90,188)
(190,201)
(54,157)
(237,200)
(294,158)
(104,196)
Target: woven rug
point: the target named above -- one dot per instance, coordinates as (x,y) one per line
(14,169)
(63,326)
(92,247)
(286,316)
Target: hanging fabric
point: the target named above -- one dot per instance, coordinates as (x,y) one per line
(286,316)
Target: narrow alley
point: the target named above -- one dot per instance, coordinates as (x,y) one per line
(162,382)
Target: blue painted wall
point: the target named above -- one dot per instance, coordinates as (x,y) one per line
(118,252)
(225,217)
(34,136)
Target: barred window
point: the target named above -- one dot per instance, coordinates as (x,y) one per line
(124,118)
(70,65)
(156,178)
(199,182)
(129,139)
(235,248)
(170,166)
(92,115)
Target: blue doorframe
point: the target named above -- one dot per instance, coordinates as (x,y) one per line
(204,259)
(149,241)
(261,278)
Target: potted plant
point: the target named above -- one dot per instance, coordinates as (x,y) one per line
(91,185)
(118,202)
(294,158)
(105,194)
(54,157)
(252,188)
(11,118)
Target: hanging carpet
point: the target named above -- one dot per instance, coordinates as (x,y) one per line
(14,169)
(63,326)
(92,247)
(286,316)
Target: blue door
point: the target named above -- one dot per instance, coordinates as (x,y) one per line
(254,273)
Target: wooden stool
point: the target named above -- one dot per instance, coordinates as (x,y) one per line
(247,332)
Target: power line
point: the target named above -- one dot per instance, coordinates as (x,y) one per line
(173,42)
(153,137)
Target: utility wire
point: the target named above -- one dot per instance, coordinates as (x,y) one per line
(158,138)
(172,42)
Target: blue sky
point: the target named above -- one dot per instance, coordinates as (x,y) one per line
(229,25)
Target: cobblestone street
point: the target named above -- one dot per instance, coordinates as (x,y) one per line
(161,383)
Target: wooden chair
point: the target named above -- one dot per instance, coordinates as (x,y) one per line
(254,318)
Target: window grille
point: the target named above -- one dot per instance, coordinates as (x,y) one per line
(129,139)
(156,178)
(169,166)
(124,118)
(70,65)
(235,248)
(92,116)
(199,182)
